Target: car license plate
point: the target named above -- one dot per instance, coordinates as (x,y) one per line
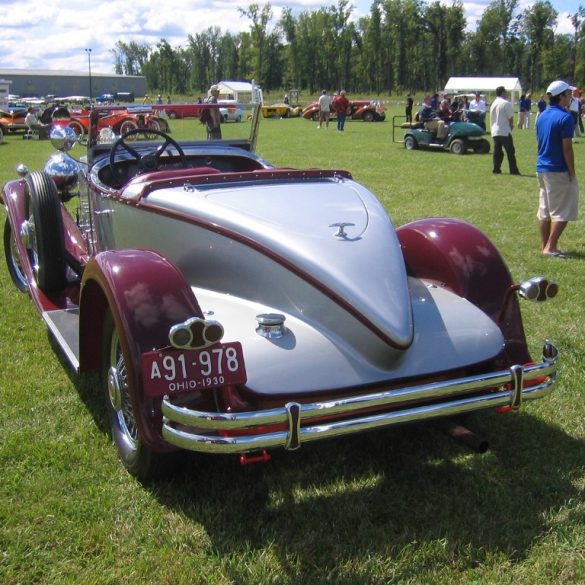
(176,371)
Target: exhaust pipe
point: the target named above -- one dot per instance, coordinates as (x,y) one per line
(465,436)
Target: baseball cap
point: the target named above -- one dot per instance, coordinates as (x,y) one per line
(558,87)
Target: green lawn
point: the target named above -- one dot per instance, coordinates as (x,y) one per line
(404,506)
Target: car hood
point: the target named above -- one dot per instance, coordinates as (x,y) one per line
(332,231)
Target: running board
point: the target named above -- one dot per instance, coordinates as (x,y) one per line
(64,326)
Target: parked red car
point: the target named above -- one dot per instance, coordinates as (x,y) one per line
(366,110)
(120,120)
(174,111)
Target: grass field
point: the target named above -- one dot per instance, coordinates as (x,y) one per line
(404,506)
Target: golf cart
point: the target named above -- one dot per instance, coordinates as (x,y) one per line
(463,136)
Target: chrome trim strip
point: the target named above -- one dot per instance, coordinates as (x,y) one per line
(201,431)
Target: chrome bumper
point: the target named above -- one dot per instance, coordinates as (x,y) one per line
(202,431)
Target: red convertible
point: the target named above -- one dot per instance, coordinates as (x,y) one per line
(366,110)
(233,307)
(121,120)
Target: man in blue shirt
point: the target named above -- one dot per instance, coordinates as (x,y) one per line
(555,167)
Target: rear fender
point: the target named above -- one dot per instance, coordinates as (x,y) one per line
(458,256)
(146,295)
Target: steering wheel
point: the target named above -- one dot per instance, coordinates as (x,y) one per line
(148,161)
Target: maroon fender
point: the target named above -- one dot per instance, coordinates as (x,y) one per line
(457,255)
(146,295)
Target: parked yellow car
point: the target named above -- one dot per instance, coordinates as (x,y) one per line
(281,111)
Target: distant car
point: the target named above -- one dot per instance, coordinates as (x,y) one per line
(178,111)
(366,110)
(13,120)
(233,307)
(105,98)
(281,111)
(230,111)
(122,119)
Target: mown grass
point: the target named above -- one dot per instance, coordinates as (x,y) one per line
(403,506)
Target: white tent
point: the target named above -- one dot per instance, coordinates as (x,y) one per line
(240,91)
(484,84)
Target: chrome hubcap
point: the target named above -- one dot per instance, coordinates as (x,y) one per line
(114,389)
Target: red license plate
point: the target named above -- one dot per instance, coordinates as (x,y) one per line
(176,371)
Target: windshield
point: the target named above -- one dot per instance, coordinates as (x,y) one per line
(224,122)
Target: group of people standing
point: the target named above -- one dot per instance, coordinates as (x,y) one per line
(556,125)
(555,165)
(338,103)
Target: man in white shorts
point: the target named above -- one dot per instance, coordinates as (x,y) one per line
(555,167)
(324,109)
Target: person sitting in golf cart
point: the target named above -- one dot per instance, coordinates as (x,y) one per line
(433,122)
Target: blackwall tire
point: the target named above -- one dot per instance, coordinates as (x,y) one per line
(44,227)
(118,378)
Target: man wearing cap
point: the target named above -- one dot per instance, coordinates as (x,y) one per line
(555,168)
(502,122)
(211,116)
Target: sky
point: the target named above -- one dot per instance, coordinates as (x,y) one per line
(55,35)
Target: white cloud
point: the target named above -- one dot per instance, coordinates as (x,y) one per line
(53,35)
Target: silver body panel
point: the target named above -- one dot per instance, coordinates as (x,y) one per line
(284,251)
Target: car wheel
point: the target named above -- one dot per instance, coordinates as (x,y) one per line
(315,116)
(13,259)
(42,231)
(410,143)
(368,116)
(457,146)
(239,119)
(484,147)
(127,126)
(139,459)
(1,136)
(77,127)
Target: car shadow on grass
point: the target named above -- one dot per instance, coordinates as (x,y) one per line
(406,498)
(335,504)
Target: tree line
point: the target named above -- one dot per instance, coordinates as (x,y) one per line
(400,46)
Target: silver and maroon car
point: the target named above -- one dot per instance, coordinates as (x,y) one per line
(236,308)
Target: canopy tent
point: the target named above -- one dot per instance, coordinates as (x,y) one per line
(240,91)
(484,84)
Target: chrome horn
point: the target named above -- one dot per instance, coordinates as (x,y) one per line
(538,289)
(195,333)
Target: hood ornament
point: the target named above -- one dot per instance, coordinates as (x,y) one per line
(341,225)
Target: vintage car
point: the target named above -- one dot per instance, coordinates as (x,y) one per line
(179,111)
(233,307)
(366,110)
(120,119)
(13,120)
(281,111)
(231,111)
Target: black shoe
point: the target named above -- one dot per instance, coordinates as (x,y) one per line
(497,172)
(515,172)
